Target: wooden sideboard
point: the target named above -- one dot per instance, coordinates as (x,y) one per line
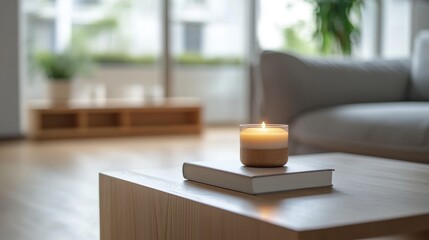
(115,118)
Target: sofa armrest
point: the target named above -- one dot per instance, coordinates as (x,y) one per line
(292,85)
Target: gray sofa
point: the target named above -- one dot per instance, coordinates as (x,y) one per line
(378,107)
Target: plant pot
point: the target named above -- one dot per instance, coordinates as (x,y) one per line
(59,91)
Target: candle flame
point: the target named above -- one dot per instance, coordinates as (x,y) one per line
(263,124)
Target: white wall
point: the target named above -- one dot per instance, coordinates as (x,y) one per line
(10,103)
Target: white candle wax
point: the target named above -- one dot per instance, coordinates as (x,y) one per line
(264,138)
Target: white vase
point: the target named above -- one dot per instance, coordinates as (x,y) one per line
(60,91)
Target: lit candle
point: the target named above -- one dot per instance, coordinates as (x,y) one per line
(264,137)
(264,145)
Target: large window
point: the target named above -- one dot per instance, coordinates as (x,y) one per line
(86,2)
(287,25)
(122,38)
(395,28)
(209,44)
(193,34)
(209,47)
(296,26)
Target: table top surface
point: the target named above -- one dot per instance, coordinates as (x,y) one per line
(366,190)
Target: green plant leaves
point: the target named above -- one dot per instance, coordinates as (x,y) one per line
(334,26)
(61,66)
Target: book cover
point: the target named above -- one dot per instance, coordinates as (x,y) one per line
(233,175)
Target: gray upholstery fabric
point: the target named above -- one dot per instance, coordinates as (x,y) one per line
(420,68)
(397,130)
(292,85)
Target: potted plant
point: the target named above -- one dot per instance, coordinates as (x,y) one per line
(60,69)
(335,26)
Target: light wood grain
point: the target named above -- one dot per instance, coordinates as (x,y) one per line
(371,197)
(49,189)
(130,211)
(171,116)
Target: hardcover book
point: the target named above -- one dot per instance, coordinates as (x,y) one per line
(233,175)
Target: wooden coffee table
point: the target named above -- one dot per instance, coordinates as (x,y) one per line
(371,197)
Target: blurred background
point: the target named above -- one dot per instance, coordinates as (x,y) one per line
(211,44)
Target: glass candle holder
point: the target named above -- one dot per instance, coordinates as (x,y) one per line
(264,145)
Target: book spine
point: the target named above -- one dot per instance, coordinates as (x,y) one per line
(217,178)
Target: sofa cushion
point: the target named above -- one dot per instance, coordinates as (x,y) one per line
(420,68)
(294,84)
(396,130)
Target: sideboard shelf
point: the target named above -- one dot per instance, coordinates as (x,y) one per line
(118,118)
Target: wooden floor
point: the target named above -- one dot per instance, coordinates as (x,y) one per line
(49,189)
